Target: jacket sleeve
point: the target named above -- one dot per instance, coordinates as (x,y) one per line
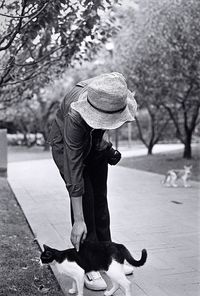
(101,140)
(112,155)
(74,137)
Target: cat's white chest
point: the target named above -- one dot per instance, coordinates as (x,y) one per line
(71,269)
(74,271)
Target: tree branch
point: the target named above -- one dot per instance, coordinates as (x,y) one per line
(20,26)
(7,71)
(43,7)
(41,59)
(179,135)
(2,4)
(194,118)
(20,16)
(140,132)
(160,131)
(9,67)
(30,77)
(185,117)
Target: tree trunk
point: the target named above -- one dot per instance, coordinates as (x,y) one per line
(45,137)
(150,148)
(25,139)
(187,148)
(46,146)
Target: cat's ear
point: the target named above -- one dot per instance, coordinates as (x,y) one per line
(45,247)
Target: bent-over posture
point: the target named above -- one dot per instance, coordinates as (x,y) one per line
(82,153)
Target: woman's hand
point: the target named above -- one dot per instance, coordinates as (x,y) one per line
(113,156)
(78,234)
(79,229)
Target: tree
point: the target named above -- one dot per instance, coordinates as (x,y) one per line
(162,63)
(182,82)
(149,96)
(34,116)
(47,102)
(39,39)
(134,56)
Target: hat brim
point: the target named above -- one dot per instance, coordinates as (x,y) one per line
(100,120)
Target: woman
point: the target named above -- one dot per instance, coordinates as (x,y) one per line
(82,154)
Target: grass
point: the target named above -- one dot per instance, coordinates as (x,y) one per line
(20,271)
(162,162)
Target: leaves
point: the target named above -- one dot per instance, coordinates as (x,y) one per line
(158,51)
(51,34)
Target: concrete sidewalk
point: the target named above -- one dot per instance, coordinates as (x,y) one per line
(144,214)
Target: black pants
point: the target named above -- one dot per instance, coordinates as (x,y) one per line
(95,205)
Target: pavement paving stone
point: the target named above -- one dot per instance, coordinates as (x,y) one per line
(144,214)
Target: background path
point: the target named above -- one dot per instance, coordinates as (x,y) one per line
(144,214)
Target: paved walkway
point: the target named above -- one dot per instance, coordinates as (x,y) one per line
(144,214)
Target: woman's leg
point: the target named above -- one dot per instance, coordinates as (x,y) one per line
(93,280)
(99,174)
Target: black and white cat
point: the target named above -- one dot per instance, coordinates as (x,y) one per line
(94,256)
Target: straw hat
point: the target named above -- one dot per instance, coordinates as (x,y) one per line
(106,103)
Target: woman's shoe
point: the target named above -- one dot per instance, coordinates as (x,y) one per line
(94,281)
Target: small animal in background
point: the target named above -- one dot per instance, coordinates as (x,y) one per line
(94,256)
(173,175)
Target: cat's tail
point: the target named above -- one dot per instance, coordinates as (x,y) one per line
(136,263)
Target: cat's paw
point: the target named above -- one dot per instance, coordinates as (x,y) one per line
(72,291)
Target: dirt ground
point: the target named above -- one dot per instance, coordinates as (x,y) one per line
(20,272)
